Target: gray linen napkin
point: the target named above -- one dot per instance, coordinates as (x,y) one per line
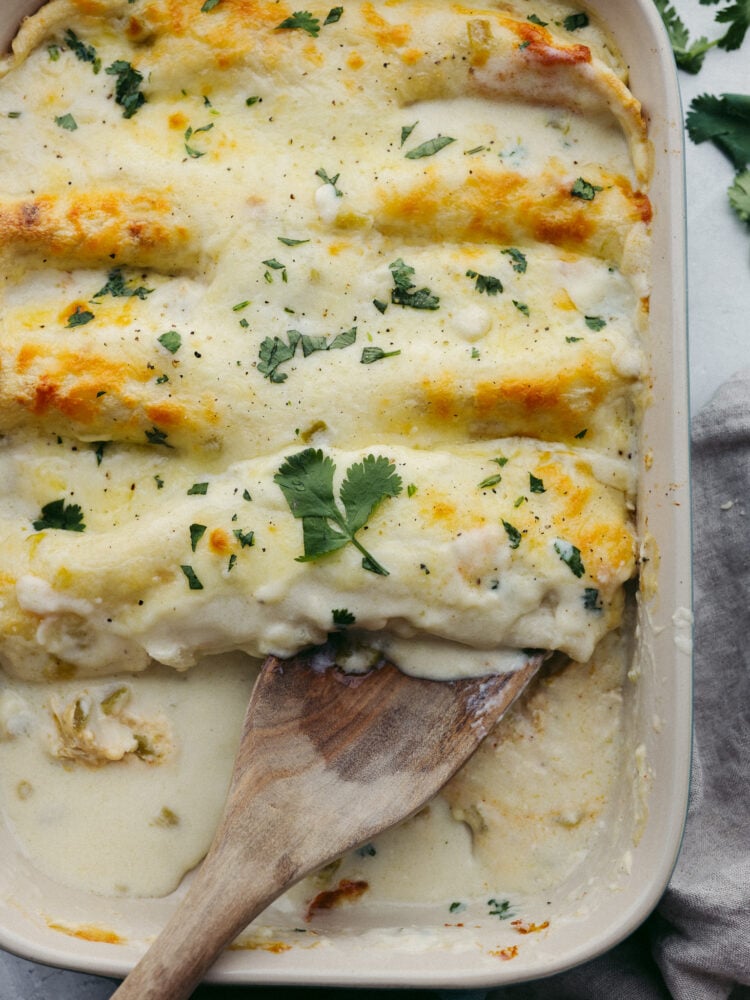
(696,946)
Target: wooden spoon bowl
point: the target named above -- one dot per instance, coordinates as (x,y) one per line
(326,761)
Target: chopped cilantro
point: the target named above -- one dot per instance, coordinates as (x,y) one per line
(486,282)
(341,617)
(536,485)
(521,307)
(171,341)
(117,287)
(595,323)
(405,292)
(457,907)
(334,15)
(537,20)
(514,535)
(253,100)
(406,131)
(99,447)
(430,147)
(575,21)
(584,190)
(274,352)
(198,490)
(246,496)
(245,538)
(191,151)
(290,242)
(518,259)
(372,354)
(411,489)
(306,480)
(197,531)
(79,317)
(380,306)
(490,481)
(159,482)
(209,5)
(193,581)
(67,122)
(571,556)
(591,600)
(500,908)
(573,340)
(127,92)
(302,19)
(582,434)
(56,514)
(156,436)
(83,52)
(320,172)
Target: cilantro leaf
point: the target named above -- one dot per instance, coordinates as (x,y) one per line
(171,341)
(306,480)
(739,195)
(595,323)
(341,617)
(584,190)
(197,531)
(302,19)
(127,92)
(67,122)
(575,21)
(334,15)
(79,317)
(192,579)
(320,172)
(405,292)
(83,52)
(372,354)
(274,352)
(117,287)
(56,514)
(725,120)
(737,16)
(689,57)
(518,260)
(429,148)
(367,483)
(406,131)
(571,556)
(486,282)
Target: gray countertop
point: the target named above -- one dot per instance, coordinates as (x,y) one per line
(719,311)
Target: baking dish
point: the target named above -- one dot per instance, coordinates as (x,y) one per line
(108,935)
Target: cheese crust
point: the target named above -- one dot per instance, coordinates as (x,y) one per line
(415,230)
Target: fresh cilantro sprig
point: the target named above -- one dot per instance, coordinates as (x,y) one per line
(306,480)
(689,55)
(725,121)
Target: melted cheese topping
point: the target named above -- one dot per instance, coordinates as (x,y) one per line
(410,234)
(417,233)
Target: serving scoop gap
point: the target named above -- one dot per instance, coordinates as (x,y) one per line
(326,761)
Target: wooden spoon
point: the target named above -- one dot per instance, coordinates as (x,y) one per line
(326,761)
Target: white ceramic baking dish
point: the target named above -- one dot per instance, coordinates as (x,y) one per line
(415,947)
